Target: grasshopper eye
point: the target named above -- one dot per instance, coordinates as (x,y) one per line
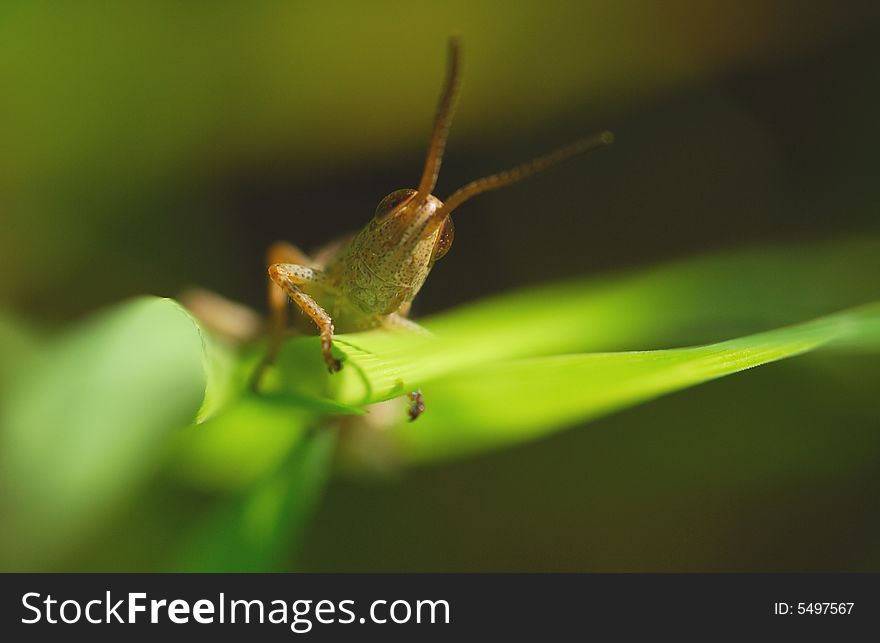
(393,201)
(444,240)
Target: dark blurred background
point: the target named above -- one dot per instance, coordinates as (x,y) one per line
(155,147)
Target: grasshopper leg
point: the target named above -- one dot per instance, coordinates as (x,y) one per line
(290,277)
(279,252)
(396,321)
(399,320)
(416,405)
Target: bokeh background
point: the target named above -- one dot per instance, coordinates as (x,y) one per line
(147,148)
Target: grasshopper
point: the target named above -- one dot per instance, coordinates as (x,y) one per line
(370,280)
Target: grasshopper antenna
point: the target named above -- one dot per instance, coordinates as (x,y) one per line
(520,172)
(442,121)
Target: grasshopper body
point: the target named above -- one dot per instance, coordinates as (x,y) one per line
(371,279)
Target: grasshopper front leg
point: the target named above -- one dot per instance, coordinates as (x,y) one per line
(279,252)
(291,277)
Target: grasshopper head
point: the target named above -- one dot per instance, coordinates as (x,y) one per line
(412,228)
(408,222)
(389,260)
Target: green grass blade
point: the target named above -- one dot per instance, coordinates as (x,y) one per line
(699,300)
(510,402)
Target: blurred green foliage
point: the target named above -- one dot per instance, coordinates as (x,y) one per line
(87,420)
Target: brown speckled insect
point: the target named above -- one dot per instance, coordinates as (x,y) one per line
(370,280)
